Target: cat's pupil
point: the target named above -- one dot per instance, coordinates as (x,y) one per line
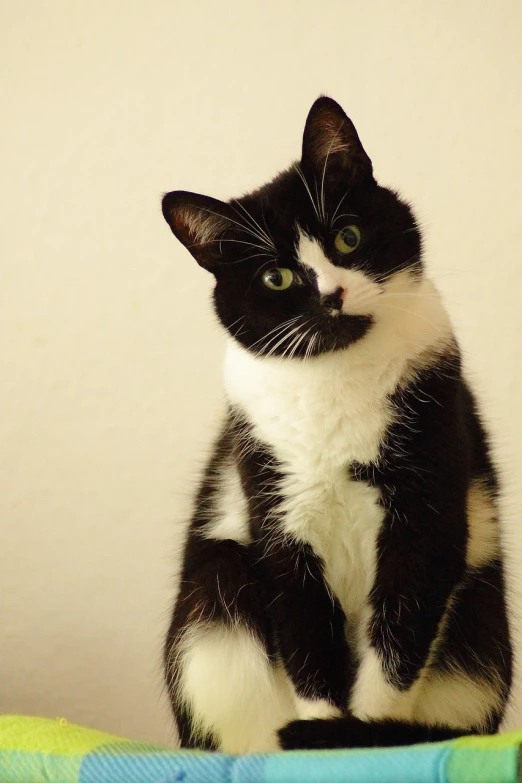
(349,237)
(275,277)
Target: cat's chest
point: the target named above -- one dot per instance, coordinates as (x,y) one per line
(340,518)
(318,416)
(317,421)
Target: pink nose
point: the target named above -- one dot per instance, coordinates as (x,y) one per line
(334,300)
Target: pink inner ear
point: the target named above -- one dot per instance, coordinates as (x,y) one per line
(331,140)
(331,136)
(200,226)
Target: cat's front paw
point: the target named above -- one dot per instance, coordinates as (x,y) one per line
(302,734)
(345,732)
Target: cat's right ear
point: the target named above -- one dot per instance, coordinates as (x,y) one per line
(330,139)
(198,222)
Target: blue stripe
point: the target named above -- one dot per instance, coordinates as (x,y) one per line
(385,766)
(156,768)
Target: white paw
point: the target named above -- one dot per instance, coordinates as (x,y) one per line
(308,709)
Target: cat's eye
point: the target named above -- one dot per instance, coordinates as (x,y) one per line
(348,239)
(279,279)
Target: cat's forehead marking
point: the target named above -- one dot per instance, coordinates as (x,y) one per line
(311,255)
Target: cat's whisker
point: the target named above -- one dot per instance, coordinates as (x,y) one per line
(310,347)
(320,216)
(293,352)
(279,332)
(413,314)
(305,183)
(344,214)
(242,226)
(418,295)
(231,326)
(292,348)
(288,348)
(277,328)
(335,136)
(338,207)
(240,330)
(253,222)
(244,242)
(258,255)
(403,267)
(285,337)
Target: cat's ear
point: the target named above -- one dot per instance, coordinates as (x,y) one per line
(198,222)
(330,139)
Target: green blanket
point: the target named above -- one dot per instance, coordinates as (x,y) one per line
(37,750)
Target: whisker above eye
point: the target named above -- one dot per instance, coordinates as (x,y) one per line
(334,139)
(236,241)
(258,255)
(262,233)
(242,226)
(305,183)
(338,206)
(344,214)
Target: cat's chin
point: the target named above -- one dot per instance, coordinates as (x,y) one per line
(331,335)
(342,332)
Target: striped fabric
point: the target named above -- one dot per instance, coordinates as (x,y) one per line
(37,750)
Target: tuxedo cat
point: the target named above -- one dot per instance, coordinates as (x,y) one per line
(342,581)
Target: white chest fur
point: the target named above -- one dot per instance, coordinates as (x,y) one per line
(318,417)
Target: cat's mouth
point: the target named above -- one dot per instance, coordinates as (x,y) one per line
(339,330)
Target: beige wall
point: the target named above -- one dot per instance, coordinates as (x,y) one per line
(110,358)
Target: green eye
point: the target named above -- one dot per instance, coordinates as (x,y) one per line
(278,279)
(347,240)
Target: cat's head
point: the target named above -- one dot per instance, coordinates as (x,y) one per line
(306,264)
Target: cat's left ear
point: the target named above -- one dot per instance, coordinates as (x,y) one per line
(198,222)
(330,139)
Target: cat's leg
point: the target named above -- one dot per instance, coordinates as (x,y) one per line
(469,679)
(308,621)
(463,689)
(310,627)
(350,732)
(228,692)
(420,559)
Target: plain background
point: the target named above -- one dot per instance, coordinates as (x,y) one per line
(110,380)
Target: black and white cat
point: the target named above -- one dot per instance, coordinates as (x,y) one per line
(342,581)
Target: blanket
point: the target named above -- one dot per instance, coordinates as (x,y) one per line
(39,750)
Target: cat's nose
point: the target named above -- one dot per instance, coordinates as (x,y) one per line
(334,300)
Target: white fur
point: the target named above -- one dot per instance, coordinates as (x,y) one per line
(455,699)
(229,518)
(484,539)
(341,520)
(373,697)
(308,709)
(358,289)
(232,689)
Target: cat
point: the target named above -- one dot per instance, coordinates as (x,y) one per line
(342,580)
